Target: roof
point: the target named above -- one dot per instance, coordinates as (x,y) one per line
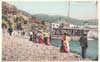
(74,29)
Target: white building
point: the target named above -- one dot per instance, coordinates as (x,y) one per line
(55,25)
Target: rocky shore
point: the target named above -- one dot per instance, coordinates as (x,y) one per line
(17,48)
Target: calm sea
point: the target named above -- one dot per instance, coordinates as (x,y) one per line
(92,50)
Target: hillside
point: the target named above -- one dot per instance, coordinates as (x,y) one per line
(63,19)
(11,15)
(13,11)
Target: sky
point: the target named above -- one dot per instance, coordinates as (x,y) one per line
(78,9)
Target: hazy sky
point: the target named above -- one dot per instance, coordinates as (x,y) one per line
(80,10)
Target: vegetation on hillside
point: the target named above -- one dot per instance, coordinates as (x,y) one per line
(30,21)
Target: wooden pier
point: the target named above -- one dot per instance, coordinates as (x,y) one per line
(70,31)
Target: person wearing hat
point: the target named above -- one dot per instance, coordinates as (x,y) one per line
(84,44)
(65,43)
(41,38)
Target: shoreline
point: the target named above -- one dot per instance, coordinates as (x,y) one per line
(19,49)
(72,37)
(75,52)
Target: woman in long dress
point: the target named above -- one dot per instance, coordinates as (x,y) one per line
(48,38)
(65,43)
(41,38)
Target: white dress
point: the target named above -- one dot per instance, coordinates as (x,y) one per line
(67,43)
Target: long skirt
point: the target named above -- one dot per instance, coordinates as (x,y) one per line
(48,41)
(45,40)
(40,40)
(64,48)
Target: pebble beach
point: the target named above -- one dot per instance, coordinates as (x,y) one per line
(19,48)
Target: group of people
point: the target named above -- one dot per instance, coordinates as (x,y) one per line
(45,37)
(15,32)
(40,37)
(65,44)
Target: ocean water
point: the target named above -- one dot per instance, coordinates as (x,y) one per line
(92,50)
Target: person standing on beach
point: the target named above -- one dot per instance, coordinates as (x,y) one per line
(31,36)
(34,35)
(10,30)
(84,44)
(4,27)
(41,38)
(37,36)
(45,38)
(23,32)
(48,38)
(65,43)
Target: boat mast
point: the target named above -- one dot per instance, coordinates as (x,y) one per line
(96,17)
(96,8)
(68,10)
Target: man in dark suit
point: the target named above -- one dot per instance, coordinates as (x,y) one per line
(84,44)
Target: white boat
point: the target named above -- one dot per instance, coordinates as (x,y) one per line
(92,35)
